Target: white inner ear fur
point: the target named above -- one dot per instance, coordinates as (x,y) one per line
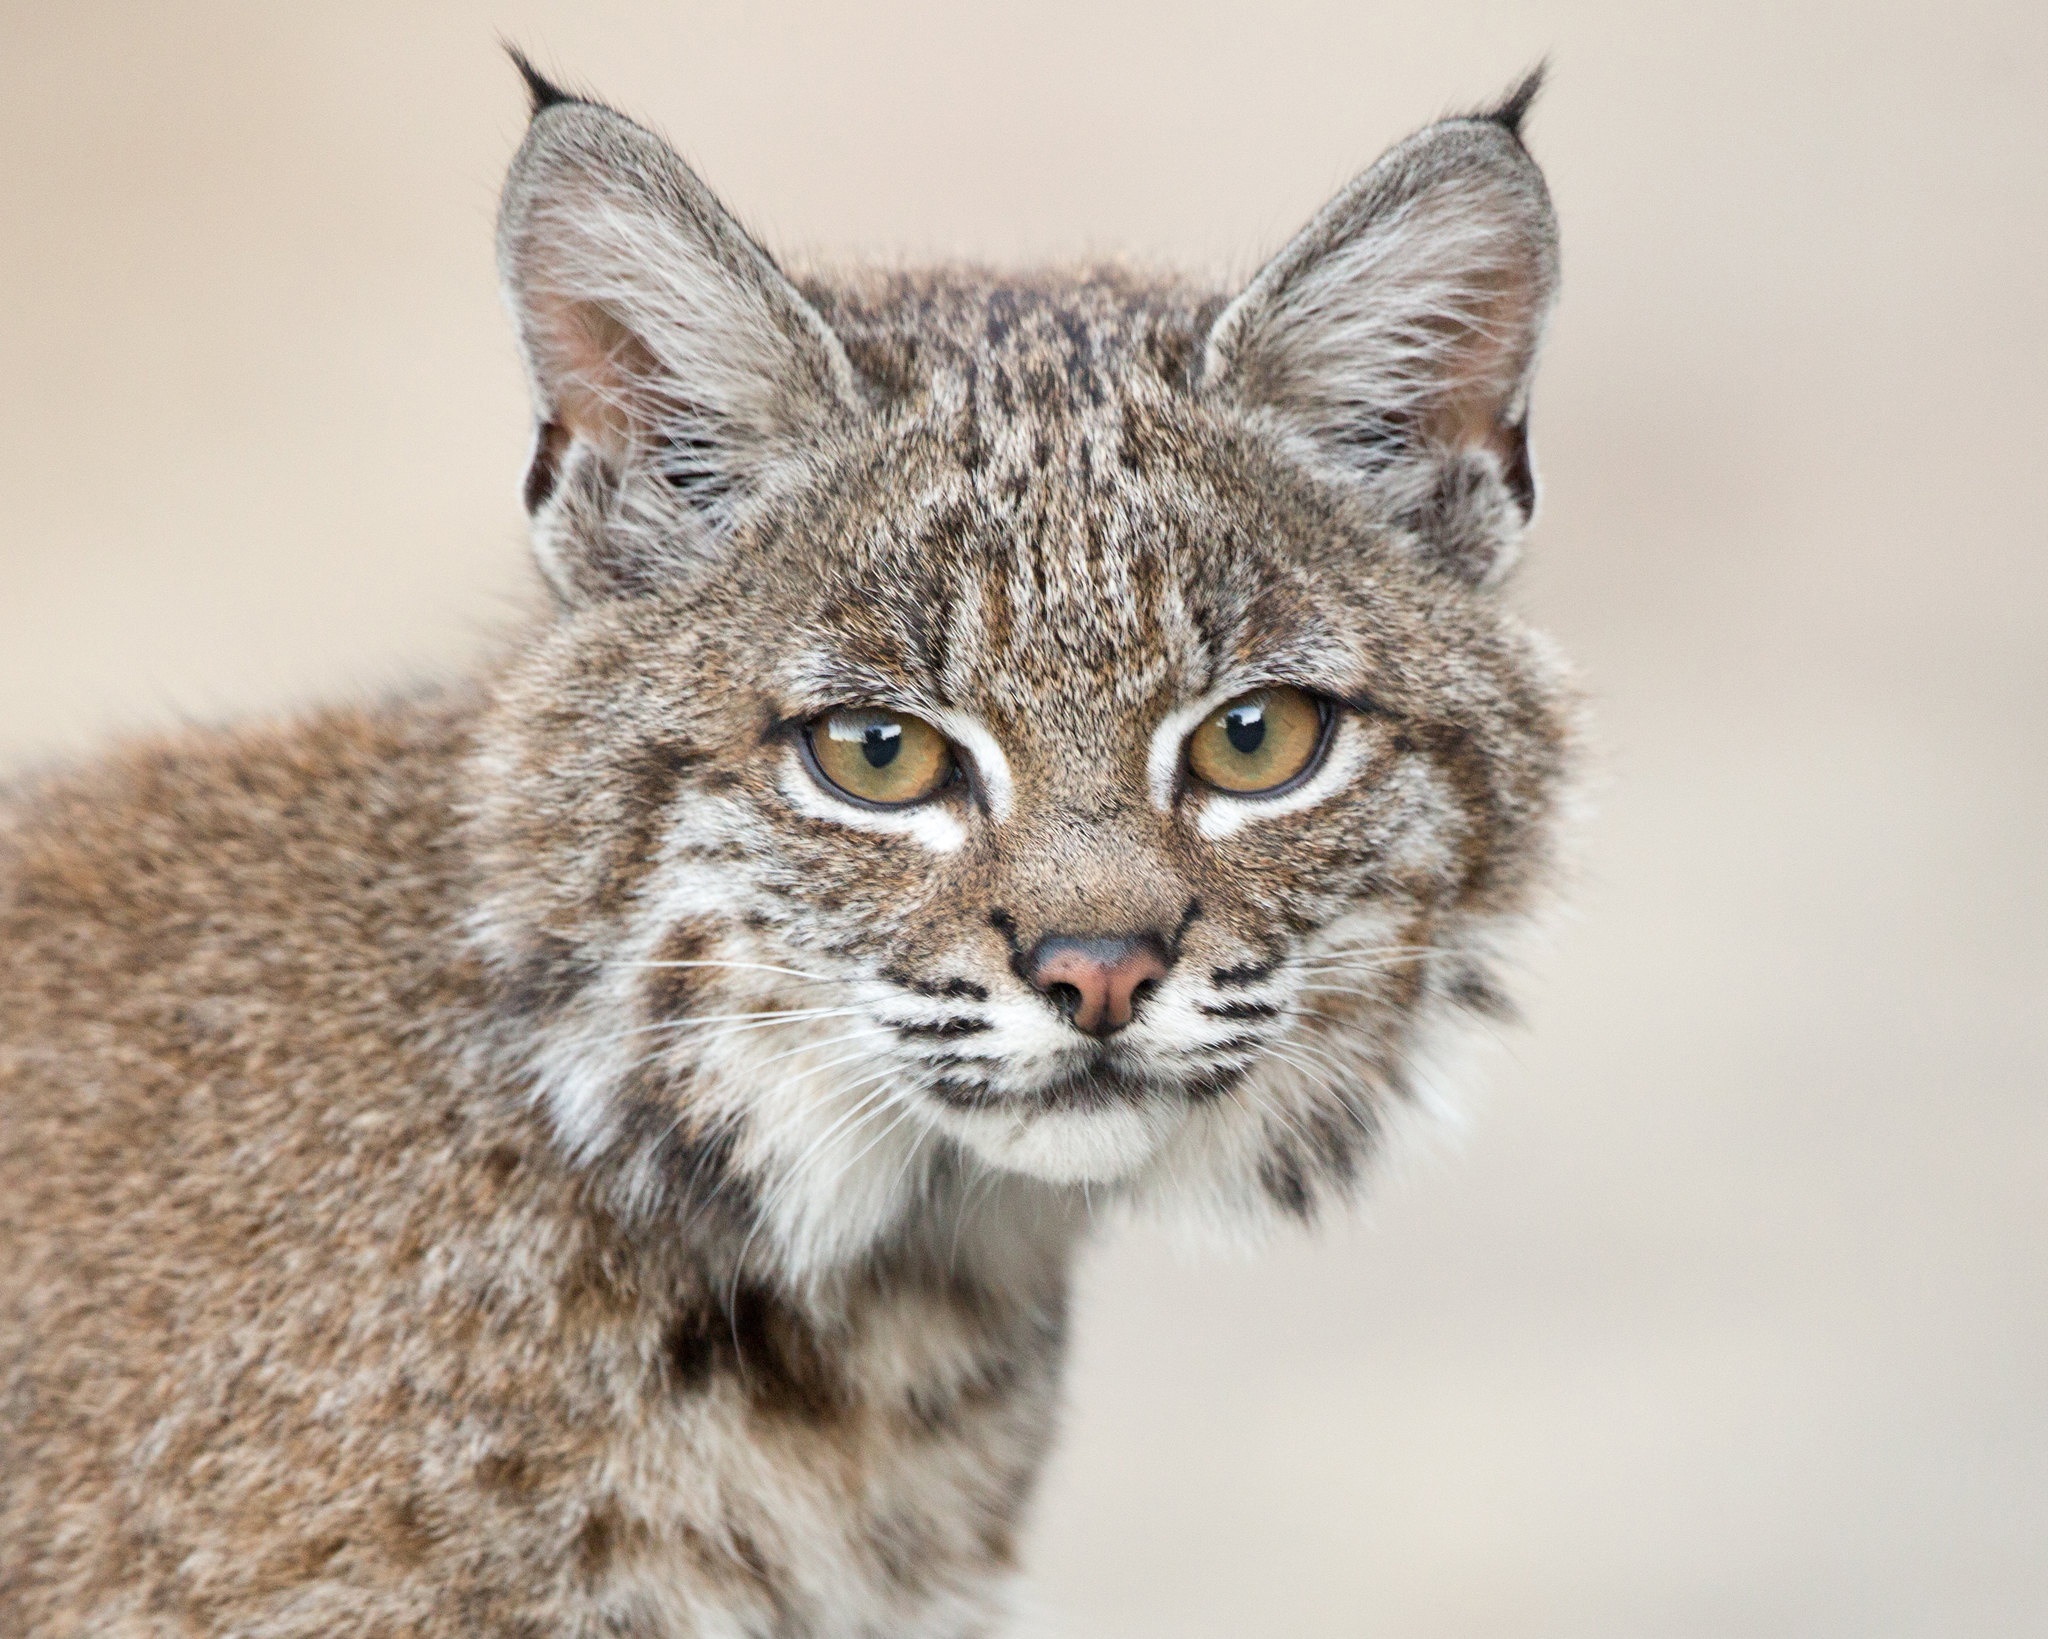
(1223,814)
(1430,308)
(934,824)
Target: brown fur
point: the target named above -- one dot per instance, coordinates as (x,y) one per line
(438,1196)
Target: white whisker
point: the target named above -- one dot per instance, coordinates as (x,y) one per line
(752,967)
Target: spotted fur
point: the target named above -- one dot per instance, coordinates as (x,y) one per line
(534,1160)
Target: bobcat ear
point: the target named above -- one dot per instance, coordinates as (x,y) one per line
(1396,335)
(676,371)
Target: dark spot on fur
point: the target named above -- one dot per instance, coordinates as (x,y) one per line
(690,1347)
(506,1471)
(887,365)
(693,1163)
(548,977)
(1006,925)
(1460,758)
(755,1338)
(606,1537)
(967,435)
(963,1094)
(786,1367)
(594,1293)
(1472,989)
(1280,1173)
(674,987)
(999,1543)
(1214,1083)
(408,1537)
(648,792)
(1002,316)
(950,529)
(1171,345)
(751,1560)
(935,1411)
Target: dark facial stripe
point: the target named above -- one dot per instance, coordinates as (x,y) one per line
(1248,974)
(944,1030)
(1240,1010)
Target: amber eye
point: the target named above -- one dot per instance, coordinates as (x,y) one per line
(881,757)
(1259,742)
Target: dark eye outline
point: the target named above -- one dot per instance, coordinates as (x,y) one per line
(956,770)
(1326,731)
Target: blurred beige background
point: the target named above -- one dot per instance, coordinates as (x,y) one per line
(1729,1315)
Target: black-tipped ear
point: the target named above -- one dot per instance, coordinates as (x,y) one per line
(540,90)
(1394,339)
(1514,108)
(675,369)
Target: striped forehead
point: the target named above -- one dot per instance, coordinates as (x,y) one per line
(1017,624)
(1044,556)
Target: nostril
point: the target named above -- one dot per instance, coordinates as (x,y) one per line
(1142,992)
(1067,998)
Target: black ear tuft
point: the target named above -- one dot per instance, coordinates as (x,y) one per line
(1512,109)
(544,92)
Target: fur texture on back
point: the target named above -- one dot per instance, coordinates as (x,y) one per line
(552,1157)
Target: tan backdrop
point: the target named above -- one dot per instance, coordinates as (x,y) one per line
(1727,1316)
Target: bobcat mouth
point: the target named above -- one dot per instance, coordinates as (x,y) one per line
(1105,1080)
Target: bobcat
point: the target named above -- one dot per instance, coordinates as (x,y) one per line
(599,1149)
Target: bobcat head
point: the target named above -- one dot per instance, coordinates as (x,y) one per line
(1045,733)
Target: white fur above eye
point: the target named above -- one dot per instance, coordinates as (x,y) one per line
(991,767)
(934,824)
(1170,738)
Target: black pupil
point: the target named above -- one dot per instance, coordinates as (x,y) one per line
(1246,727)
(880,744)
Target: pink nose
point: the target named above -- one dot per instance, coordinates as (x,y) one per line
(1096,983)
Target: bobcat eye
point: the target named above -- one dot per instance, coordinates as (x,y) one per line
(1260,741)
(880,757)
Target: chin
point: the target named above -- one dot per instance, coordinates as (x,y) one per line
(1099,1140)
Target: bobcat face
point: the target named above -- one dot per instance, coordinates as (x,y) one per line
(1046,730)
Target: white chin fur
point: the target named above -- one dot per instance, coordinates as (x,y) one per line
(1098,1146)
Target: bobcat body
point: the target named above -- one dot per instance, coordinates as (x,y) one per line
(540,1157)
